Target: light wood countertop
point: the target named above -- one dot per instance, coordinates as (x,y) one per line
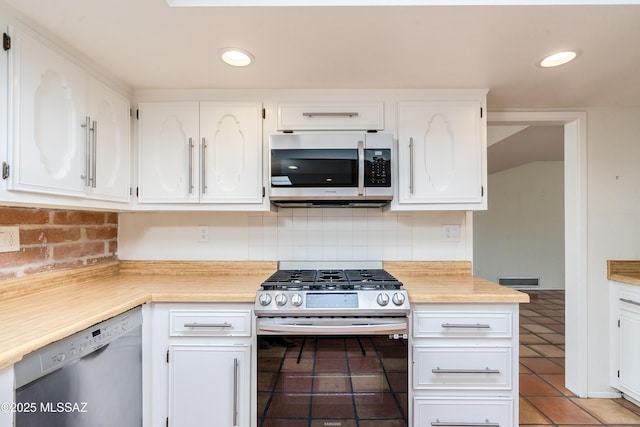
(38,310)
(625,271)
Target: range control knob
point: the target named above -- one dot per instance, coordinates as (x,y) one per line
(398,298)
(265,299)
(281,299)
(383,299)
(296,300)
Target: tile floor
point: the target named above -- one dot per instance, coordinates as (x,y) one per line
(543,399)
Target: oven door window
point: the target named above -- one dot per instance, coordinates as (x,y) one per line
(314,168)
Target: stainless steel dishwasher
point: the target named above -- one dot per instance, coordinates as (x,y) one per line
(90,379)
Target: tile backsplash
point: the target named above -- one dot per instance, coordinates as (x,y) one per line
(292,234)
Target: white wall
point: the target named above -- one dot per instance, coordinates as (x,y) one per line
(522,232)
(292,234)
(613,179)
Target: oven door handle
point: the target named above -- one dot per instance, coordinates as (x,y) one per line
(310,329)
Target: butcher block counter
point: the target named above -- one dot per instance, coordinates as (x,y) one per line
(625,271)
(37,310)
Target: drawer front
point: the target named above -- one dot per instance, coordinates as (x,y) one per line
(463,412)
(462,324)
(366,116)
(461,368)
(235,323)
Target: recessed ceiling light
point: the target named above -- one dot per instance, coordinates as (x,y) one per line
(236,57)
(558,58)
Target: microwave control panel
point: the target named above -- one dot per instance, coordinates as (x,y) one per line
(377,167)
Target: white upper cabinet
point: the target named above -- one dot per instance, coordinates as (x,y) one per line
(231,135)
(208,153)
(336,116)
(49,107)
(441,155)
(109,113)
(169,153)
(70,131)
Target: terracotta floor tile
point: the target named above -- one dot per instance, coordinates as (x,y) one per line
(289,405)
(530,415)
(608,411)
(562,410)
(294,382)
(529,338)
(552,338)
(331,364)
(539,329)
(369,382)
(332,383)
(541,365)
(557,380)
(547,350)
(377,405)
(332,406)
(526,351)
(630,406)
(532,385)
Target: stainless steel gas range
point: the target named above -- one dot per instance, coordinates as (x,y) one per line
(332,301)
(333,347)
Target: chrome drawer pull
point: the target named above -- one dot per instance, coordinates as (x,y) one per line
(465,371)
(438,423)
(337,114)
(208,325)
(630,301)
(466,325)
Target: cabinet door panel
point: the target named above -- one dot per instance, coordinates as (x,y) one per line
(232,166)
(440,152)
(630,351)
(110,111)
(49,94)
(168,152)
(209,386)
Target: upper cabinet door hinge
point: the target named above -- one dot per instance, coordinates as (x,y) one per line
(5,170)
(6,41)
(167,356)
(264,113)
(618,323)
(264,191)
(137,114)
(482,191)
(480,112)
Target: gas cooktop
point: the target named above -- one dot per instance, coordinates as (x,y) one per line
(331,279)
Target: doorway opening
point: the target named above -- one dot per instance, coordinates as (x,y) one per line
(575,250)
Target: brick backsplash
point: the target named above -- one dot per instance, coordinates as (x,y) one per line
(53,239)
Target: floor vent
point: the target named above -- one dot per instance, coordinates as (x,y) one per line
(520,282)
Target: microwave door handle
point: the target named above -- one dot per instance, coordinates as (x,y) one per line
(360,168)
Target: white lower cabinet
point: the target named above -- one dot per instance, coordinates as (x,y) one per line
(625,334)
(208,385)
(464,365)
(201,365)
(463,412)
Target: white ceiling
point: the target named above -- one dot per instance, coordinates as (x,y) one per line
(148,45)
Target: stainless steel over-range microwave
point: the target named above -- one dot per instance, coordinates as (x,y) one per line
(320,170)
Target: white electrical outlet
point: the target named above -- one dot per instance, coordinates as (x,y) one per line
(451,233)
(203,233)
(9,239)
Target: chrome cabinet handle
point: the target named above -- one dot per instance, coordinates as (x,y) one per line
(630,301)
(438,423)
(190,165)
(411,165)
(94,160)
(360,168)
(203,162)
(438,370)
(87,144)
(208,325)
(466,325)
(345,114)
(235,391)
